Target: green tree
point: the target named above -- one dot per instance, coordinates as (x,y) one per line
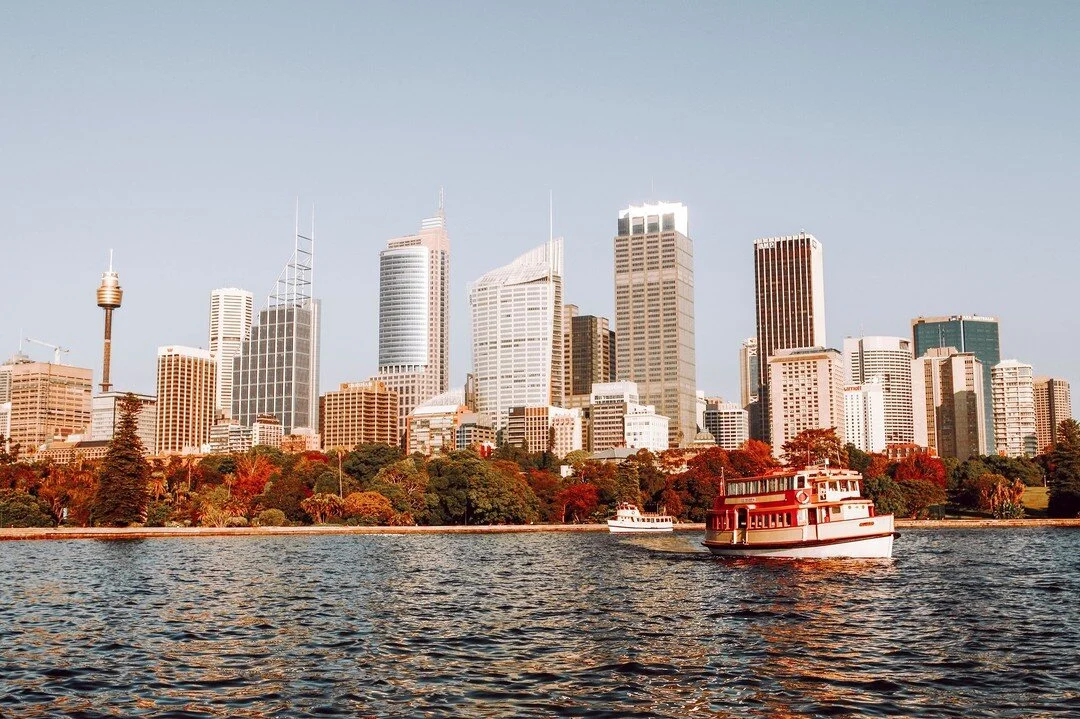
(122,493)
(920,495)
(21,509)
(405,483)
(500,495)
(287,494)
(887,495)
(323,507)
(1064,479)
(448,486)
(365,461)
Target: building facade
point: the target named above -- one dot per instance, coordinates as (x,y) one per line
(886,361)
(590,354)
(966,333)
(1013,387)
(949,401)
(518,344)
(544,429)
(608,405)
(865,417)
(645,428)
(431,427)
(186,395)
(789,301)
(1053,405)
(806,391)
(414,315)
(750,383)
(359,413)
(654,312)
(728,423)
(105,415)
(48,401)
(230,328)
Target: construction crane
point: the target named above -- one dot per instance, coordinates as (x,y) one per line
(57,349)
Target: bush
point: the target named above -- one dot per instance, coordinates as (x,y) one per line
(20,509)
(368,508)
(271,518)
(157,514)
(236,522)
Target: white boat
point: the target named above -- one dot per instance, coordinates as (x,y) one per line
(628,518)
(809,513)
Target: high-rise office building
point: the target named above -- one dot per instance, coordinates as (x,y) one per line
(359,413)
(414,315)
(186,386)
(277,371)
(948,400)
(654,312)
(1053,405)
(749,372)
(590,354)
(966,333)
(789,292)
(553,429)
(105,416)
(518,343)
(886,360)
(1013,389)
(48,401)
(230,328)
(728,423)
(806,391)
(864,415)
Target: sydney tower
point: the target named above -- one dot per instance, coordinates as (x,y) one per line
(109,295)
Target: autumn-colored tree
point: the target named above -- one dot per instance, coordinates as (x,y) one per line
(545,485)
(920,467)
(577,501)
(122,494)
(814,447)
(70,487)
(1001,496)
(323,507)
(252,473)
(405,484)
(752,459)
(368,508)
(920,495)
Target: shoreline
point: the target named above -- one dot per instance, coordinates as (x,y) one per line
(64,533)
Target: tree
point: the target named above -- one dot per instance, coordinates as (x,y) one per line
(887,495)
(365,461)
(921,467)
(545,486)
(500,495)
(1064,479)
(405,484)
(252,472)
(814,447)
(752,459)
(69,489)
(579,501)
(323,507)
(448,486)
(368,508)
(21,509)
(1001,496)
(122,494)
(920,495)
(287,493)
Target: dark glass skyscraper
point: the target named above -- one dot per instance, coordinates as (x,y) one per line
(967,333)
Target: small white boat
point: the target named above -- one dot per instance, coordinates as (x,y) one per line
(628,518)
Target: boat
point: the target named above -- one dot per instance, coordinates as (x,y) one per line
(814,512)
(628,518)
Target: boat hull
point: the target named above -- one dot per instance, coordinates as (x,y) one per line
(616,528)
(865,547)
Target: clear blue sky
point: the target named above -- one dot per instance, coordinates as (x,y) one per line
(931,147)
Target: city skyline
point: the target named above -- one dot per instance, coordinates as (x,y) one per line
(913,182)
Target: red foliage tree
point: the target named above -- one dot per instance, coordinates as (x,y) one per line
(920,467)
(253,471)
(578,500)
(753,458)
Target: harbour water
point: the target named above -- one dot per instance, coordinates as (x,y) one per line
(960,623)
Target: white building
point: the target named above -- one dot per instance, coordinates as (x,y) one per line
(728,423)
(230,327)
(1013,387)
(555,429)
(864,415)
(645,429)
(5,425)
(266,431)
(230,438)
(517,317)
(806,391)
(104,415)
(886,360)
(414,315)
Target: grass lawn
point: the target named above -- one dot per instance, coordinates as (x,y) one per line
(1035,500)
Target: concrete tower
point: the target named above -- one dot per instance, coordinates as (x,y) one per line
(109,296)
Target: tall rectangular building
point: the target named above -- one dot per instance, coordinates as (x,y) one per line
(654,312)
(749,372)
(728,423)
(887,361)
(230,327)
(414,315)
(1053,405)
(277,371)
(806,391)
(967,333)
(864,415)
(590,354)
(1014,409)
(186,393)
(105,413)
(518,340)
(948,400)
(789,298)
(47,401)
(359,413)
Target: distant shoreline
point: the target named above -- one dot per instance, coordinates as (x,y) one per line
(179,532)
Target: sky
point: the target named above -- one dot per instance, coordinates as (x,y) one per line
(932,148)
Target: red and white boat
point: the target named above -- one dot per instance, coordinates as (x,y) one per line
(815,512)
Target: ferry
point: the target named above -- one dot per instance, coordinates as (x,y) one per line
(629,519)
(815,512)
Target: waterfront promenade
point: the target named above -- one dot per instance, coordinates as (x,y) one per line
(176,532)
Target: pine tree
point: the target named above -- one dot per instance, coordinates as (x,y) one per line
(123,493)
(1064,479)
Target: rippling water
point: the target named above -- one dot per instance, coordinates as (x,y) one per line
(960,623)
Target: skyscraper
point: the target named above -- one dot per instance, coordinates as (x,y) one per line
(1014,409)
(590,354)
(966,333)
(230,327)
(1053,405)
(864,415)
(277,371)
(105,415)
(886,360)
(48,400)
(359,413)
(749,372)
(414,315)
(789,291)
(654,312)
(518,344)
(948,401)
(806,391)
(185,399)
(728,423)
